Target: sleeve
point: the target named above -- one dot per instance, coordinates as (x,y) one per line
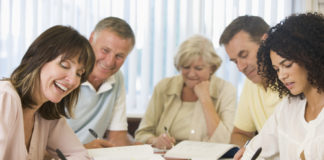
(267,139)
(62,137)
(119,118)
(226,112)
(149,122)
(8,118)
(243,118)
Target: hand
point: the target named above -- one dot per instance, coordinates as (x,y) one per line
(239,154)
(99,143)
(202,90)
(163,141)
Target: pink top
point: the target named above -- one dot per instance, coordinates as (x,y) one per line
(48,135)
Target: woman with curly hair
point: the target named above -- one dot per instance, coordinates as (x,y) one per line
(292,62)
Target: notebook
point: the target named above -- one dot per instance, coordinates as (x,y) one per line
(196,150)
(135,152)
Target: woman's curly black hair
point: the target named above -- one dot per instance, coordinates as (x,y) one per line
(299,38)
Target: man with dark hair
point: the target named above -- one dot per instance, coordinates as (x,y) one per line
(242,39)
(101,104)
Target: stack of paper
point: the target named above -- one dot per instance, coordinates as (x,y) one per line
(196,150)
(136,152)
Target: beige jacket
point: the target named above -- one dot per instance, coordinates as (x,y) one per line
(166,101)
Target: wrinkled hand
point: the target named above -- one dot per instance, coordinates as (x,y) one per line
(163,141)
(239,154)
(99,143)
(202,89)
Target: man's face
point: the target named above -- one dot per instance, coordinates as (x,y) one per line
(110,51)
(243,52)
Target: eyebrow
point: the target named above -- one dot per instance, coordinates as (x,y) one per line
(283,61)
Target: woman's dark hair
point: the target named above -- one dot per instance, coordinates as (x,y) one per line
(54,42)
(298,38)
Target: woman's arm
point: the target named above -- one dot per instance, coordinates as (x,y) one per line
(219,116)
(62,137)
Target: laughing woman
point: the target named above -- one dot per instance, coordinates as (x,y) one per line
(40,92)
(292,62)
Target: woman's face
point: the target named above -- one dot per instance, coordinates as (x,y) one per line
(196,72)
(292,75)
(58,78)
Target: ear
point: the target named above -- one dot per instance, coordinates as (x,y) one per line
(92,36)
(264,37)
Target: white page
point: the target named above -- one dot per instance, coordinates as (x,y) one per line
(196,150)
(135,152)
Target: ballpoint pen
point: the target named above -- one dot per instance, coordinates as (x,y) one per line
(92,132)
(60,154)
(256,154)
(168,134)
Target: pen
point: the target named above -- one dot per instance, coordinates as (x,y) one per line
(167,133)
(256,154)
(166,130)
(60,154)
(92,132)
(246,143)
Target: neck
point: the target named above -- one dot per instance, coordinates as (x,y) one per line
(96,82)
(315,100)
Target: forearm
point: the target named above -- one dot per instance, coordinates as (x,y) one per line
(118,138)
(239,139)
(211,116)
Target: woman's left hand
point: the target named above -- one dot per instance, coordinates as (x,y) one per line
(202,90)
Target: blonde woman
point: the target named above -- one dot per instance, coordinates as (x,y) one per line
(195,105)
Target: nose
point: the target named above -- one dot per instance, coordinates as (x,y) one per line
(282,75)
(241,65)
(110,59)
(191,73)
(73,79)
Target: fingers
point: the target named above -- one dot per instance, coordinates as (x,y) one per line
(239,154)
(164,142)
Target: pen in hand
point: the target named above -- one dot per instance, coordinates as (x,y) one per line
(60,154)
(167,133)
(92,132)
(256,154)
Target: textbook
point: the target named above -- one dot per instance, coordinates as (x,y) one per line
(196,150)
(135,152)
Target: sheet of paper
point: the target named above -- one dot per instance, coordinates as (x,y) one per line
(196,150)
(135,152)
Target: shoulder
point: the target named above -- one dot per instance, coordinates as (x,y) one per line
(7,88)
(10,102)
(170,84)
(221,85)
(118,76)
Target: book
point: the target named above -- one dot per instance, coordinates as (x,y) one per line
(135,152)
(196,150)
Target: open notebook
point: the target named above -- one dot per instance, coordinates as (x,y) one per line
(136,152)
(196,150)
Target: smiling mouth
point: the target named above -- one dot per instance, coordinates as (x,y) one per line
(60,86)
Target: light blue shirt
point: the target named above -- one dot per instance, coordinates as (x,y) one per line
(100,110)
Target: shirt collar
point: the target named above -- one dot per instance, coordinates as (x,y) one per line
(105,86)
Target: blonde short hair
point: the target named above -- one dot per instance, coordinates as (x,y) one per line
(195,47)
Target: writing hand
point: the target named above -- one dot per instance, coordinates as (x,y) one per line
(99,143)
(238,155)
(163,141)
